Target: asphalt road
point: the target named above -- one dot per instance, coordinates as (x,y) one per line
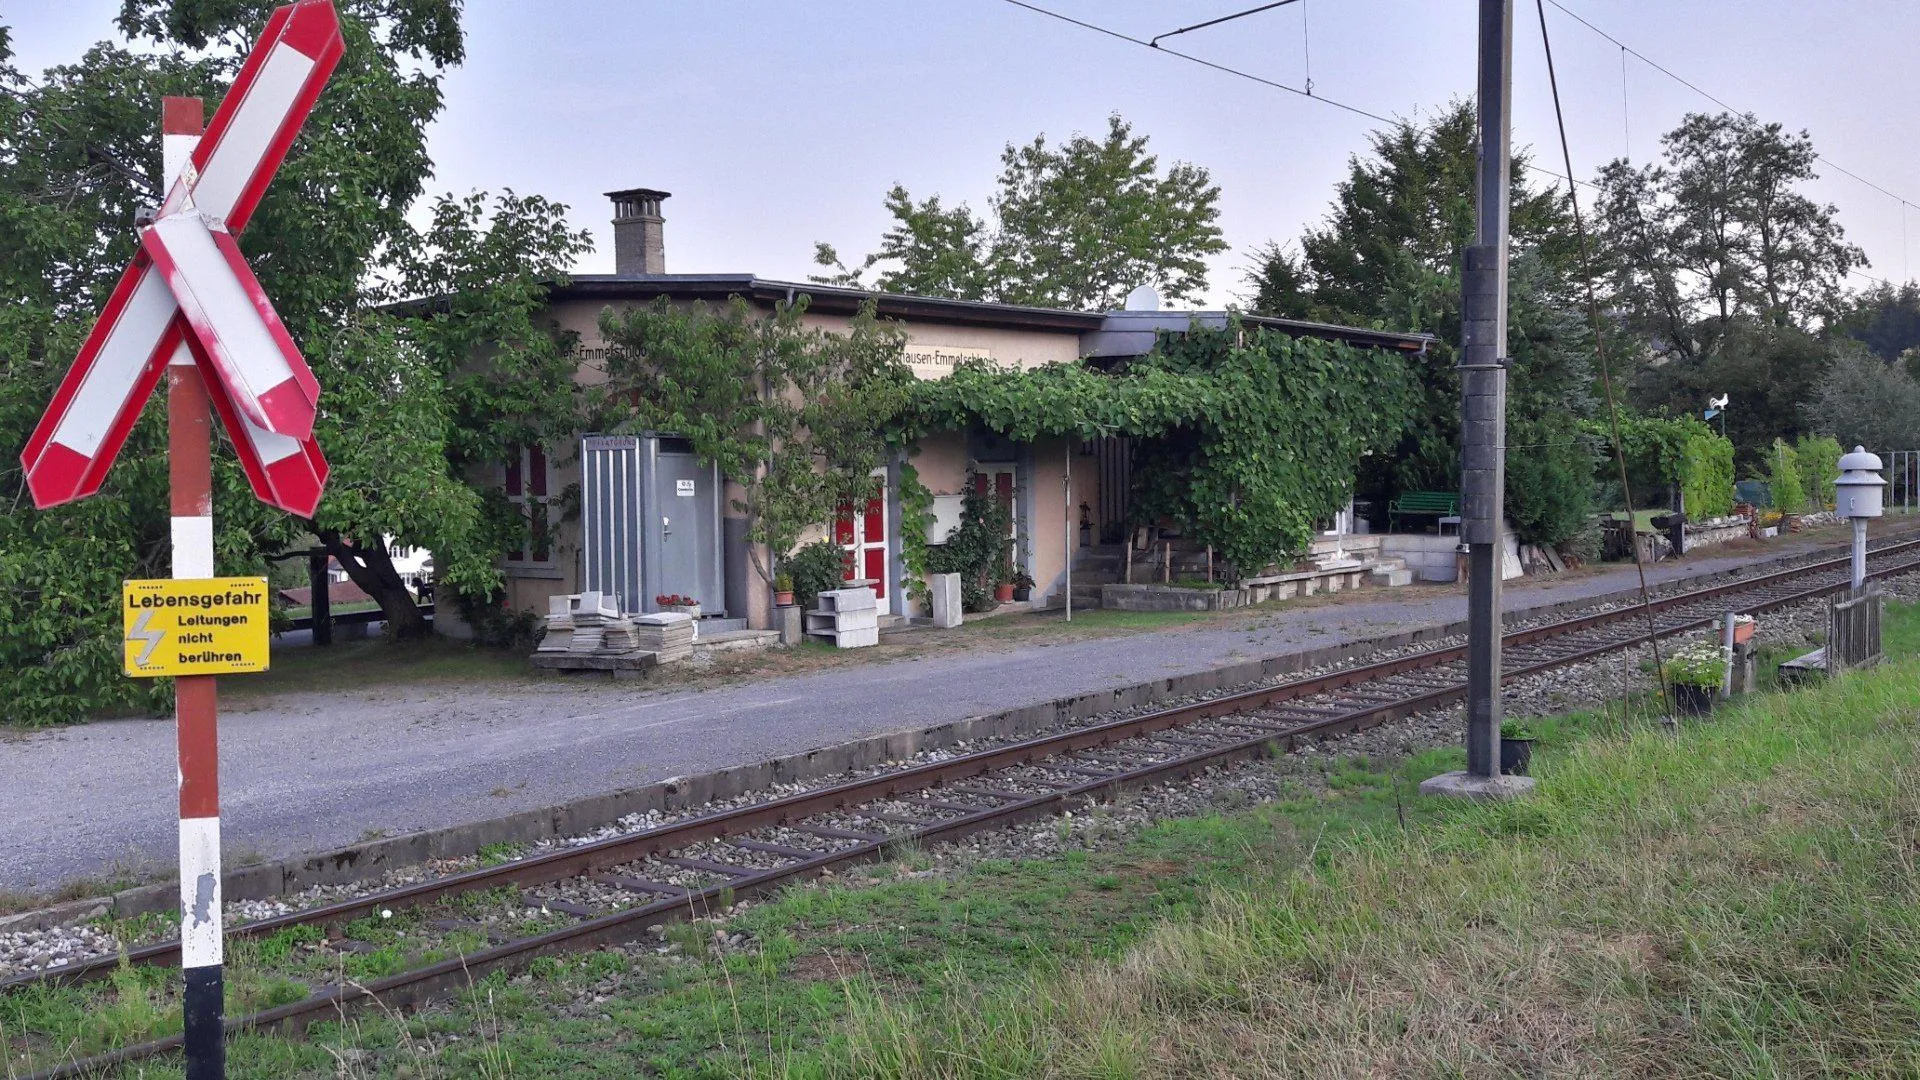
(315,770)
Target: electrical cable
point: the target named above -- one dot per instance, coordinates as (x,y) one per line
(1606,373)
(1249,76)
(1642,57)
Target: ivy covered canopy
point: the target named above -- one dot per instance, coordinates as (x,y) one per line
(1248,436)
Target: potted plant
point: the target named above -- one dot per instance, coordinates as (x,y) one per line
(686,605)
(1695,673)
(1022,586)
(1516,748)
(783,589)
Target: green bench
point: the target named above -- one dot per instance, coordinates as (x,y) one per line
(1439,504)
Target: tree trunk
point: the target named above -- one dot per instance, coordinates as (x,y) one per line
(373,571)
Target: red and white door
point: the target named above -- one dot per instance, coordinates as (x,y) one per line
(997,480)
(861,532)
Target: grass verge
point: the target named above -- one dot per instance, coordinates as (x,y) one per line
(1740,900)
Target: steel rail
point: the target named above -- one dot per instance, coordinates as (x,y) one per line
(575,861)
(423,984)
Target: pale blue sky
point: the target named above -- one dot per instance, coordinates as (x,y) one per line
(778,124)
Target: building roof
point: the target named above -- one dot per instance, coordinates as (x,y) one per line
(1104,334)
(1131,333)
(825,298)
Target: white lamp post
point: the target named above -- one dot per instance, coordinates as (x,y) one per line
(1857,496)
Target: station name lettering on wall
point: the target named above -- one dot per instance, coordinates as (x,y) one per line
(938,361)
(195,626)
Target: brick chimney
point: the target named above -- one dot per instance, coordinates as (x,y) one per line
(639,243)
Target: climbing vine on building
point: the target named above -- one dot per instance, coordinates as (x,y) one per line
(916,516)
(1247,436)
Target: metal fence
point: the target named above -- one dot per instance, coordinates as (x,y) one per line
(1902,470)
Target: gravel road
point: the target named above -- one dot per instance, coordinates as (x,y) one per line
(317,770)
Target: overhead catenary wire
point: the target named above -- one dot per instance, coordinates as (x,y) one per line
(1606,373)
(1250,76)
(1717,100)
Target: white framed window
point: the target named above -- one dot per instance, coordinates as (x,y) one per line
(529,487)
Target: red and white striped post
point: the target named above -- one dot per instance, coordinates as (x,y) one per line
(196,707)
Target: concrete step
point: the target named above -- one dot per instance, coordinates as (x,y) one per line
(1390,578)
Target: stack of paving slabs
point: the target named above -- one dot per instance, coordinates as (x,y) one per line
(590,618)
(617,636)
(847,617)
(666,634)
(559,637)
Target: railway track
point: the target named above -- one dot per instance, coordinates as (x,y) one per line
(612,890)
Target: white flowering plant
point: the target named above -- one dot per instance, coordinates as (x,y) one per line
(1699,664)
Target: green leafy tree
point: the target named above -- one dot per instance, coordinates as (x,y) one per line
(794,414)
(1390,254)
(1818,459)
(1885,320)
(1783,479)
(79,153)
(1721,270)
(1076,225)
(1865,401)
(1706,477)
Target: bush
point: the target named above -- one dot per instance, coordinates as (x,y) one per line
(496,626)
(977,549)
(1783,479)
(1706,476)
(1818,457)
(815,568)
(1550,485)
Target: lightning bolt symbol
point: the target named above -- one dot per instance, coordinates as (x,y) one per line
(153,638)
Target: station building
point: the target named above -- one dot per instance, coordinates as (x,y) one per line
(653,520)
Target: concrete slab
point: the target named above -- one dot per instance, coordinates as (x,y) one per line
(1465,785)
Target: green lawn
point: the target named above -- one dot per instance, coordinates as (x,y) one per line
(1742,900)
(376,661)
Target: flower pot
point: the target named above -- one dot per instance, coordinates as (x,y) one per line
(689,610)
(1002,594)
(1743,632)
(1691,700)
(1021,594)
(1516,756)
(783,599)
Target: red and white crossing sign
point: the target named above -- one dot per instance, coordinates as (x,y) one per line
(188,282)
(233,321)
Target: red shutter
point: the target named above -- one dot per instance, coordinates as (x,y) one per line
(843,526)
(877,571)
(873,529)
(513,471)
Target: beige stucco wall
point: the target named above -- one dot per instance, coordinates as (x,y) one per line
(941,460)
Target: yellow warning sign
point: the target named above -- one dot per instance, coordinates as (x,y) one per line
(195,626)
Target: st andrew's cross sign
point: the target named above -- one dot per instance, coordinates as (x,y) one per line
(188,307)
(188,282)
